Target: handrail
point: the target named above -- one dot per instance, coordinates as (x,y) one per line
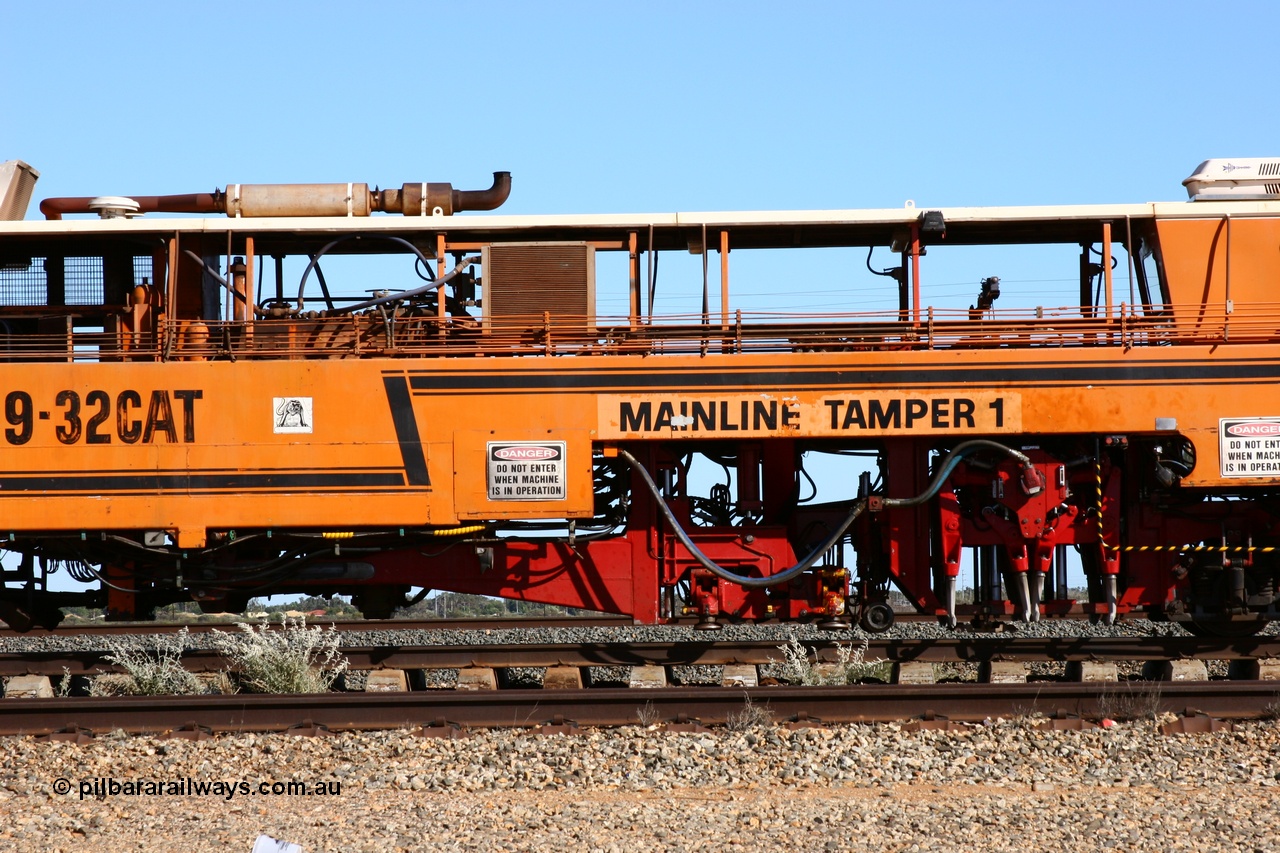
(365,335)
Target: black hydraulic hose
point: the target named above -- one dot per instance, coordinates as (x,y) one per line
(725,574)
(324,287)
(954,458)
(408,294)
(315,259)
(220,280)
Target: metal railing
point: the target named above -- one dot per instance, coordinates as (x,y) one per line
(376,334)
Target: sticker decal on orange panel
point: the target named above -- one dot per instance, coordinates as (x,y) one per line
(292,415)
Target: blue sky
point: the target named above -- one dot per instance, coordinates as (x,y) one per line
(644,107)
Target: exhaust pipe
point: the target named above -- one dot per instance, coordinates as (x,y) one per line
(257,200)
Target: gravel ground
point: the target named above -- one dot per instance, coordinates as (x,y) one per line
(1004,786)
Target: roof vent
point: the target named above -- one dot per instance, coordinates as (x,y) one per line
(113,207)
(1235,180)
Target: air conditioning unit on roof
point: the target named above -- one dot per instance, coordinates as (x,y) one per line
(1235,180)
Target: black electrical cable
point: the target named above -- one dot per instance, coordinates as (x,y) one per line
(888,272)
(812,485)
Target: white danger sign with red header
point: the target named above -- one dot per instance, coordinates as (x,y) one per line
(1249,447)
(526,471)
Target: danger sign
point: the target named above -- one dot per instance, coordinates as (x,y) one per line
(526,471)
(1249,447)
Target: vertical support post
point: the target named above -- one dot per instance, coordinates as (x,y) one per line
(724,280)
(1128,242)
(55,277)
(706,307)
(1060,570)
(749,477)
(1106,266)
(907,529)
(633,311)
(250,280)
(171,284)
(1228,306)
(915,273)
(441,248)
(229,301)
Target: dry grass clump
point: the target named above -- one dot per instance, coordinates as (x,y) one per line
(154,670)
(291,658)
(850,666)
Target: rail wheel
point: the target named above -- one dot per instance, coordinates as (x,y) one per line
(877,617)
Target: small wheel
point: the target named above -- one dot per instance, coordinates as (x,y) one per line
(877,617)
(50,618)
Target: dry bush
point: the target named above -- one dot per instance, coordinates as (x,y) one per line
(751,716)
(850,666)
(648,715)
(1135,700)
(289,659)
(148,671)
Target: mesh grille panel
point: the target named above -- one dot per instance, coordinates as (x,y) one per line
(84,281)
(28,284)
(524,281)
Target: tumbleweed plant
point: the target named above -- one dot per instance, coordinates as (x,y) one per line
(154,670)
(850,666)
(290,658)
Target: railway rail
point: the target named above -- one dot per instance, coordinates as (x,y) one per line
(979,649)
(447,712)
